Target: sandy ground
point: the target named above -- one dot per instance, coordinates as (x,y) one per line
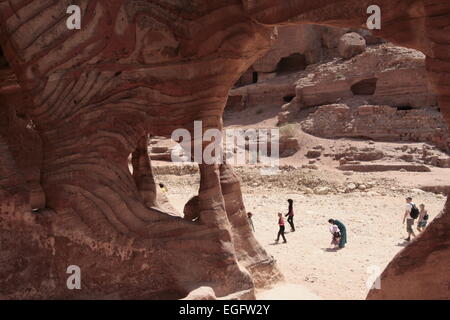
(373,217)
(311,270)
(375,235)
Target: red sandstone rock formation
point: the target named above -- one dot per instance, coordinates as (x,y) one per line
(93,94)
(351,44)
(382,75)
(381,123)
(152,67)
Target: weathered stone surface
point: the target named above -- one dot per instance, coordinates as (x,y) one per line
(382,75)
(91,109)
(291,40)
(313,154)
(288,146)
(351,44)
(288,112)
(294,48)
(264,94)
(382,123)
(131,70)
(23,141)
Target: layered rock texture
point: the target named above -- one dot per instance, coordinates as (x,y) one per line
(294,49)
(382,123)
(92,96)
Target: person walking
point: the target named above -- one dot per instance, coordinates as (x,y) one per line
(423,218)
(250,221)
(342,231)
(411,213)
(281,230)
(335,236)
(290,214)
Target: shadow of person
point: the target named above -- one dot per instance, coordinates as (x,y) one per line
(276,243)
(402,244)
(330,249)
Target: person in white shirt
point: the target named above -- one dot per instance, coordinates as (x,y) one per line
(409,219)
(336,236)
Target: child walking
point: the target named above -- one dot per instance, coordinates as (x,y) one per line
(281,230)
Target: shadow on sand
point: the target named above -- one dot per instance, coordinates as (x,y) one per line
(276,243)
(330,250)
(403,244)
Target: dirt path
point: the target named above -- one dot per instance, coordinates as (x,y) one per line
(374,224)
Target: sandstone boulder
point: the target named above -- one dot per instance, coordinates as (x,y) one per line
(313,154)
(288,146)
(322,190)
(351,186)
(351,44)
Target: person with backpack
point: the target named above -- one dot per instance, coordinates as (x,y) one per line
(290,214)
(423,218)
(411,213)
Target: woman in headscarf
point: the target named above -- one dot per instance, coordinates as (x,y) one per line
(290,214)
(342,230)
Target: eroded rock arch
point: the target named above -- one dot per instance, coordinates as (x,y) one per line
(139,67)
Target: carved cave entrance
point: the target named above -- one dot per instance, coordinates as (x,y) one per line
(292,63)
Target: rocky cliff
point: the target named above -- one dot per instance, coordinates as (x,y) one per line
(138,68)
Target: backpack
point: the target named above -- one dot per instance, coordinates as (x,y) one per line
(414,211)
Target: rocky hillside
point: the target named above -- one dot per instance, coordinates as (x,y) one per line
(344,83)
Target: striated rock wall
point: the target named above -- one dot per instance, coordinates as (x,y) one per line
(381,75)
(93,94)
(138,68)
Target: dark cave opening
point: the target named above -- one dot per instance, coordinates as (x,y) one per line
(3,62)
(255,77)
(366,87)
(288,98)
(294,62)
(404,108)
